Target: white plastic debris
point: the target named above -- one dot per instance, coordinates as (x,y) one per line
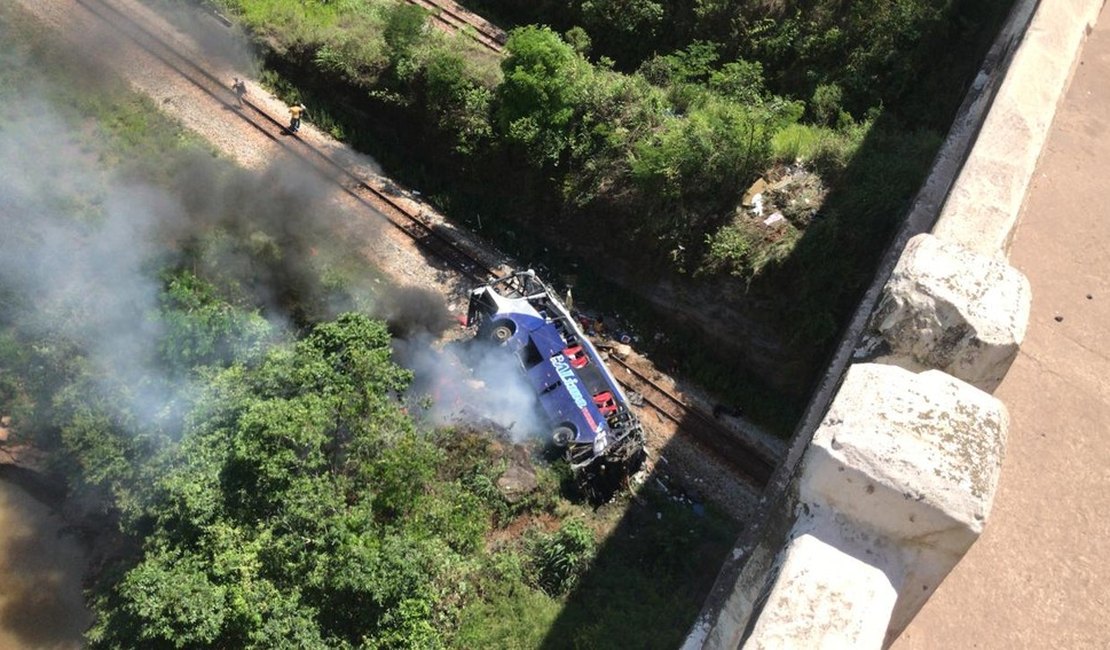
(775,217)
(757,205)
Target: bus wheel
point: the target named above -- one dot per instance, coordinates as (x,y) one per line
(501,333)
(562,436)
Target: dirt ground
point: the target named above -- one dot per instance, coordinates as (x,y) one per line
(1039,576)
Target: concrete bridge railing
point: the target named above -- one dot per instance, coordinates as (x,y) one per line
(892,472)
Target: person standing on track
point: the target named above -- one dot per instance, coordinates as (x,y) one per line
(295,113)
(240,89)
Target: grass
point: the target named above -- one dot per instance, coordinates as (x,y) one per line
(642,590)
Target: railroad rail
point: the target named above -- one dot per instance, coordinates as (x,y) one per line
(721,441)
(692,421)
(446,13)
(426,234)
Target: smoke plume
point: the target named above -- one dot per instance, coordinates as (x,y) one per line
(81,247)
(475,383)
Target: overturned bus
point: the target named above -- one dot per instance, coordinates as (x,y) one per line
(588,413)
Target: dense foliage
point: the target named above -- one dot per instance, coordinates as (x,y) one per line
(294,509)
(643,123)
(836,56)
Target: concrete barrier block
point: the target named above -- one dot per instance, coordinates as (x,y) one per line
(895,488)
(914,459)
(824,596)
(908,455)
(952,309)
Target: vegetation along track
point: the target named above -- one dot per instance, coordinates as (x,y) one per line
(692,421)
(449,15)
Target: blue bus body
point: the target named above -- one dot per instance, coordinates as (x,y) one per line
(587,411)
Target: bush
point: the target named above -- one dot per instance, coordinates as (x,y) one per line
(825,103)
(559,559)
(745,248)
(404,24)
(704,158)
(544,78)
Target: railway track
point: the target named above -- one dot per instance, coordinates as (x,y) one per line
(446,13)
(720,441)
(426,234)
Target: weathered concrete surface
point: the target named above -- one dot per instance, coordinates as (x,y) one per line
(893,491)
(826,597)
(983,207)
(916,458)
(1039,576)
(952,309)
(915,463)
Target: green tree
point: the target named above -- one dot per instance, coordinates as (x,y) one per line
(460,103)
(201,329)
(740,80)
(404,24)
(537,101)
(299,481)
(171,600)
(826,103)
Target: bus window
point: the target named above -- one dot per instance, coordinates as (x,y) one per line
(605,403)
(530,355)
(576,356)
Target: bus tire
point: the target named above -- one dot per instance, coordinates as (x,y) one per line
(562,435)
(501,332)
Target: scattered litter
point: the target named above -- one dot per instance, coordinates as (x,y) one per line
(754,192)
(775,217)
(659,515)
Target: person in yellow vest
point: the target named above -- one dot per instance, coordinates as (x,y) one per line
(295,113)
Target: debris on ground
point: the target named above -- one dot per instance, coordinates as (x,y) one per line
(519,480)
(789,193)
(621,350)
(775,217)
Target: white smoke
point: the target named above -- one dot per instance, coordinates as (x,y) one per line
(467,382)
(75,252)
(81,250)
(472,383)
